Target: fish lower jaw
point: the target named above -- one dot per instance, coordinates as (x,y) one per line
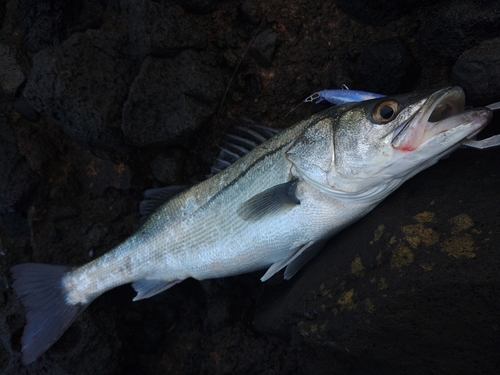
(470,124)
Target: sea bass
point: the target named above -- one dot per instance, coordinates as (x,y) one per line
(274,208)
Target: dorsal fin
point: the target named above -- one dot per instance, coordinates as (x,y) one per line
(154,198)
(239,141)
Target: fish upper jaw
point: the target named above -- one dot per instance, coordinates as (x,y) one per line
(437,115)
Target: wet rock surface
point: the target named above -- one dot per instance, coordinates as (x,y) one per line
(480,61)
(153,115)
(395,62)
(18,180)
(459,28)
(156,30)
(112,98)
(82,84)
(264,46)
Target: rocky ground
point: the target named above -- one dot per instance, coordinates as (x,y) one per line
(101,100)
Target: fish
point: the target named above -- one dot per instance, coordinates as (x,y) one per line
(273,208)
(345,95)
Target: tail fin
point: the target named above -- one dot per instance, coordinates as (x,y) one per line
(40,289)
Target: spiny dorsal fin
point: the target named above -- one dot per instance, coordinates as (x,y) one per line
(239,141)
(277,199)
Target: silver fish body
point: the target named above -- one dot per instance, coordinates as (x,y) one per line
(273,208)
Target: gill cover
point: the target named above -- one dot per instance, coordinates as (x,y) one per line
(312,154)
(315,155)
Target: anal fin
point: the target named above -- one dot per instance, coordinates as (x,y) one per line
(301,259)
(148,288)
(294,262)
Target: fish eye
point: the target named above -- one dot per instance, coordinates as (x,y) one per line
(385,111)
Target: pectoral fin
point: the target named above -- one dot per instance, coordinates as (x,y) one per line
(295,262)
(278,199)
(149,288)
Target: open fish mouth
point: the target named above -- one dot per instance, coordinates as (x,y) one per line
(440,113)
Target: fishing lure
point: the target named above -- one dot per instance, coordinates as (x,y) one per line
(342,96)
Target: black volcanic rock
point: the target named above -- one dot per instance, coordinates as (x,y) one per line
(170,98)
(82,85)
(446,32)
(159,30)
(477,70)
(386,67)
(17,180)
(377,12)
(264,47)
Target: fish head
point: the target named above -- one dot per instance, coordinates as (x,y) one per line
(363,151)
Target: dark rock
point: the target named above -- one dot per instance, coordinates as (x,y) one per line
(339,75)
(82,85)
(448,31)
(165,169)
(377,12)
(15,223)
(218,314)
(134,370)
(17,180)
(231,58)
(406,284)
(33,141)
(148,337)
(170,98)
(199,6)
(24,108)
(252,84)
(386,67)
(264,46)
(14,69)
(477,71)
(2,12)
(45,22)
(159,30)
(101,174)
(249,11)
(4,358)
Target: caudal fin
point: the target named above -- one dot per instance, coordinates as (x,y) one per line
(39,288)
